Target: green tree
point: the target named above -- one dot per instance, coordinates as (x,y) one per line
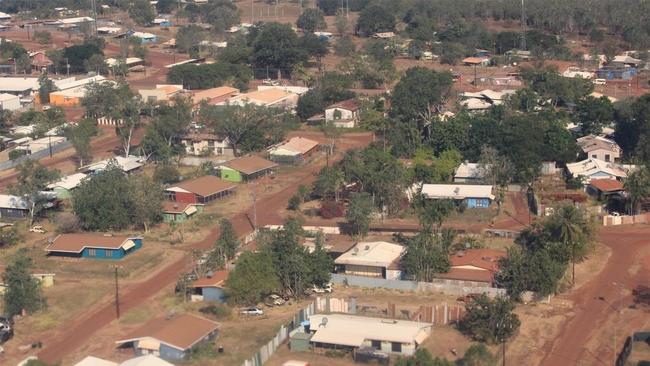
(23,292)
(637,186)
(310,104)
(165,6)
(497,171)
(76,56)
(166,174)
(221,14)
(321,264)
(375,18)
(529,270)
(452,53)
(227,239)
(344,46)
(205,76)
(294,203)
(32,180)
(419,92)
(80,136)
(188,37)
(252,279)
(490,320)
(146,197)
(329,7)
(97,64)
(311,20)
(359,214)
(432,212)
(593,114)
(426,255)
(422,357)
(478,355)
(341,22)
(141,12)
(100,201)
(328,183)
(277,47)
(45,87)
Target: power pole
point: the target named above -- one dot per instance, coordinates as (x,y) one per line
(94,9)
(117,295)
(523,26)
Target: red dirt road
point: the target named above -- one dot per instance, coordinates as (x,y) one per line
(80,331)
(586,338)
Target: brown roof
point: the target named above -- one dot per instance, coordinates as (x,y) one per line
(299,144)
(209,94)
(75,243)
(266,96)
(350,105)
(180,331)
(206,185)
(482,258)
(607,185)
(217,280)
(462,274)
(250,164)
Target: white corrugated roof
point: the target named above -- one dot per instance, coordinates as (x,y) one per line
(127,164)
(349,330)
(69,181)
(14,202)
(148,360)
(94,361)
(4,97)
(591,166)
(457,191)
(376,254)
(295,146)
(76,20)
(14,84)
(468,170)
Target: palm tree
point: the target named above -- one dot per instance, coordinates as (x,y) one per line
(572,228)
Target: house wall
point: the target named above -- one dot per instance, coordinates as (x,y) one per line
(408,349)
(213,294)
(345,114)
(211,147)
(10,104)
(477,202)
(366,271)
(231,175)
(601,154)
(393,274)
(170,353)
(185,197)
(11,213)
(63,101)
(110,253)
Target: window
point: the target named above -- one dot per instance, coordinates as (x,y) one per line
(92,252)
(594,156)
(219,151)
(396,347)
(607,158)
(376,345)
(108,253)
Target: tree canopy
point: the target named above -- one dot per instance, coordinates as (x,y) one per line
(23,291)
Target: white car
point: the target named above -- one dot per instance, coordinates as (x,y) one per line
(37,229)
(252,311)
(321,290)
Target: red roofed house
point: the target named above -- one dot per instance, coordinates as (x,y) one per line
(179,211)
(474,265)
(96,246)
(210,288)
(40,61)
(476,61)
(170,338)
(344,114)
(605,187)
(200,190)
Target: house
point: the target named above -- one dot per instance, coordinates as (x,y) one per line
(476,61)
(44,143)
(378,259)
(64,187)
(161,93)
(199,144)
(44,278)
(9,102)
(468,173)
(477,266)
(4,16)
(108,30)
(128,165)
(614,72)
(480,101)
(213,96)
(128,62)
(603,189)
(590,168)
(246,168)
(625,61)
(296,150)
(22,87)
(145,37)
(472,195)
(343,114)
(40,61)
(272,97)
(72,91)
(200,190)
(13,207)
(210,288)
(162,22)
(340,331)
(95,246)
(520,54)
(576,72)
(601,148)
(171,337)
(179,211)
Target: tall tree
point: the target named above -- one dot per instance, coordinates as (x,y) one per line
(375,18)
(497,171)
(490,321)
(226,245)
(328,183)
(311,19)
(146,200)
(45,87)
(276,47)
(141,12)
(419,92)
(253,278)
(32,180)
(426,255)
(478,355)
(23,291)
(637,186)
(80,136)
(359,214)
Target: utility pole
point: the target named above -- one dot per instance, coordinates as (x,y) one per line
(523,26)
(50,143)
(254,195)
(117,294)
(94,9)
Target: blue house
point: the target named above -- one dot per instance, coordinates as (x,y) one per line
(471,195)
(170,338)
(210,288)
(95,246)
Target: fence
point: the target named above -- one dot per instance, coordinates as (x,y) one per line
(269,349)
(448,287)
(35,156)
(609,220)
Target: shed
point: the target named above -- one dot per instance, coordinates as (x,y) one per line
(200,190)
(245,168)
(63,187)
(9,102)
(13,207)
(296,150)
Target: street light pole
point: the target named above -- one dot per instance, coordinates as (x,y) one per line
(117,294)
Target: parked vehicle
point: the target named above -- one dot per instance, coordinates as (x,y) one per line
(6,332)
(37,229)
(274,300)
(254,311)
(327,288)
(599,81)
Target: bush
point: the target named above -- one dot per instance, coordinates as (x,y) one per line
(67,223)
(331,209)
(216,310)
(294,203)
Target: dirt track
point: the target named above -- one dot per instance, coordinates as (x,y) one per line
(588,337)
(75,334)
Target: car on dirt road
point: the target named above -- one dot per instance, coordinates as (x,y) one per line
(253,311)
(6,332)
(327,288)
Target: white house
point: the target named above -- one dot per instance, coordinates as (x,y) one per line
(340,331)
(343,114)
(198,144)
(468,173)
(9,102)
(372,259)
(474,196)
(601,148)
(590,168)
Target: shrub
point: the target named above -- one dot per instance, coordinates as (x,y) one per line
(216,310)
(67,223)
(294,202)
(331,209)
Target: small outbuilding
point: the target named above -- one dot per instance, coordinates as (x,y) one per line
(210,288)
(296,150)
(180,211)
(200,190)
(378,259)
(246,168)
(64,187)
